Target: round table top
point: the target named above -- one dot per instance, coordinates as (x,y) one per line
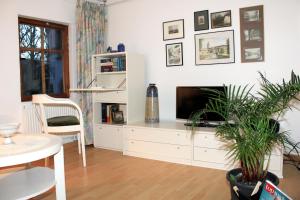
(28,148)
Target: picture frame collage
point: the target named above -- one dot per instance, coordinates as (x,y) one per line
(174,51)
(218,47)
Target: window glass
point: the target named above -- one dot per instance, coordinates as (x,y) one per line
(43,58)
(52,39)
(29,36)
(54,73)
(31,73)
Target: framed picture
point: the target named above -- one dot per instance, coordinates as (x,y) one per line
(173,29)
(117,117)
(201,20)
(221,19)
(174,54)
(214,48)
(252,34)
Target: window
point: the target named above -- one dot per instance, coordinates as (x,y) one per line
(44,58)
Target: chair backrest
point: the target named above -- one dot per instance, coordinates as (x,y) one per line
(42,103)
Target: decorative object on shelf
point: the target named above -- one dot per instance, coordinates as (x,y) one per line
(152,107)
(7,130)
(173,29)
(121,47)
(214,48)
(117,117)
(201,20)
(252,34)
(174,55)
(221,19)
(109,49)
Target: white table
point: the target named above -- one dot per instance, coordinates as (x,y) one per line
(28,183)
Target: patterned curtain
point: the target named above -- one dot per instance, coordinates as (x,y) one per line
(90,39)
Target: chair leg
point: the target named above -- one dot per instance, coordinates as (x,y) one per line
(78,139)
(83,147)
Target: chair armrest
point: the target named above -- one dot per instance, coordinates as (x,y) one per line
(47,100)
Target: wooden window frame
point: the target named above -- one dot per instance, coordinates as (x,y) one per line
(64,52)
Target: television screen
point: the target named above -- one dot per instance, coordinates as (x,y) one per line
(191,99)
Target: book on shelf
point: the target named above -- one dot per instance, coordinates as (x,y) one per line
(113,64)
(106,64)
(107,68)
(107,109)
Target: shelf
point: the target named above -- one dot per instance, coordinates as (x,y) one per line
(110,55)
(96,89)
(26,184)
(111,73)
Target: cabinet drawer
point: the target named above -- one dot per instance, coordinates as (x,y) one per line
(158,149)
(210,155)
(208,141)
(160,136)
(113,97)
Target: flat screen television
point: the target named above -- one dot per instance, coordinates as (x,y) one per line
(190,99)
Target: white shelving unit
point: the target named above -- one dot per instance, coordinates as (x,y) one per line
(118,80)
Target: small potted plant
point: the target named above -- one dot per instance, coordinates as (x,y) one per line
(251,128)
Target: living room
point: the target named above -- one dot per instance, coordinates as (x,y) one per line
(138,24)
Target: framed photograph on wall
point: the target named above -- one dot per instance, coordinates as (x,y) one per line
(221,19)
(173,29)
(252,34)
(214,48)
(201,20)
(174,54)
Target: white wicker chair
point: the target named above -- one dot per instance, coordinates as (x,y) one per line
(61,124)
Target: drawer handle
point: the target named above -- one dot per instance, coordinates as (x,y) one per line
(178,134)
(132,142)
(205,137)
(205,151)
(132,130)
(178,147)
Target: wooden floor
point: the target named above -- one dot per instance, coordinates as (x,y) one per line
(110,175)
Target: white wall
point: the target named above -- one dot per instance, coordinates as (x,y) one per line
(60,11)
(138,24)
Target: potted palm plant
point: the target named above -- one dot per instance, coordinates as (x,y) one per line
(251,128)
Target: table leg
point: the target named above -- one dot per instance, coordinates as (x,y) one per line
(59,171)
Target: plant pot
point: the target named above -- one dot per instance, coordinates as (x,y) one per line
(245,190)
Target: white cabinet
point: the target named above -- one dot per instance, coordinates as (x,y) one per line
(210,151)
(172,142)
(157,143)
(118,93)
(108,137)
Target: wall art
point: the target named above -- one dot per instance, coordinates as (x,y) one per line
(221,19)
(214,48)
(252,34)
(201,21)
(174,54)
(173,29)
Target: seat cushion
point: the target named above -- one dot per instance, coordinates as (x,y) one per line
(63,121)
